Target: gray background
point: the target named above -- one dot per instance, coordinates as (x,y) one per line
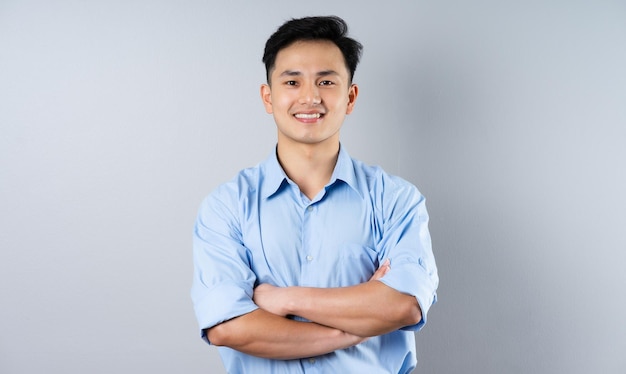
(118,117)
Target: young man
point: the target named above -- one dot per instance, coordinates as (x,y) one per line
(312,261)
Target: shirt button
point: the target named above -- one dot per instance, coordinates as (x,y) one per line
(309,258)
(309,208)
(311,360)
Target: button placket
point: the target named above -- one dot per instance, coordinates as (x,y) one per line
(308,272)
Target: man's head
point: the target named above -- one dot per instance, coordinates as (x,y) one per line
(332,29)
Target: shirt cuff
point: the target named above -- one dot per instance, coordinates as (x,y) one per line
(220,304)
(408,276)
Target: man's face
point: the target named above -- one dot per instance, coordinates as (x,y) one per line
(310,93)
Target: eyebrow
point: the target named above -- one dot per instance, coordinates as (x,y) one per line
(295,73)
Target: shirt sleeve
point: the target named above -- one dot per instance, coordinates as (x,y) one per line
(223,281)
(406,242)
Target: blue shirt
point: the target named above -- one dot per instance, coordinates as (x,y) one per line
(259,228)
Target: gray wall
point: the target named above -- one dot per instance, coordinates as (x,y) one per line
(117,117)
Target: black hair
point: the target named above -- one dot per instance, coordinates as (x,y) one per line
(331,28)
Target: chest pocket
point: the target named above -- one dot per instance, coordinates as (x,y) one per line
(355,264)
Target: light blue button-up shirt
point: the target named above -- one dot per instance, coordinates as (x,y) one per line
(259,228)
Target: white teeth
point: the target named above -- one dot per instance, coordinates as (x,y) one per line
(308,115)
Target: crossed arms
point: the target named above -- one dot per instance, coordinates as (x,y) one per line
(340,318)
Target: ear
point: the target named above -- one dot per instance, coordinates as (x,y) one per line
(353,92)
(266,97)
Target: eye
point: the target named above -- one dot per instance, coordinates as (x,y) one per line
(291,83)
(326,83)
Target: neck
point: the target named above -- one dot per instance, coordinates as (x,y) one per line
(309,166)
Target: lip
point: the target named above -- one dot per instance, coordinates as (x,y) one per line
(308,117)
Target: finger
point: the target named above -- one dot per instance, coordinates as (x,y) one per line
(381,271)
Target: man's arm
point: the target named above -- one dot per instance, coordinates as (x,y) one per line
(368,309)
(263,334)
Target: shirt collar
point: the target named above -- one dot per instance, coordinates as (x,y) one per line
(344,171)
(275,177)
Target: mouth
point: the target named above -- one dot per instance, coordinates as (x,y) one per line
(308,116)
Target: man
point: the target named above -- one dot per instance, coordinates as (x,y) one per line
(312,261)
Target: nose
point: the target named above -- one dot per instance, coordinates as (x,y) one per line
(310,95)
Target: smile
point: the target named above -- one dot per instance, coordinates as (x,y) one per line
(308,115)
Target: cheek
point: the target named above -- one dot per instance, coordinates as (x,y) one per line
(281,101)
(340,103)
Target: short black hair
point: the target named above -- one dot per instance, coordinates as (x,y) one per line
(331,28)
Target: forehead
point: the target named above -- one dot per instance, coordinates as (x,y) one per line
(306,55)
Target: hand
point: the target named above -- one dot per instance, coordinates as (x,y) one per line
(270,298)
(276,299)
(382,270)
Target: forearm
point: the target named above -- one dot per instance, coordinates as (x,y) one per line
(267,335)
(368,309)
